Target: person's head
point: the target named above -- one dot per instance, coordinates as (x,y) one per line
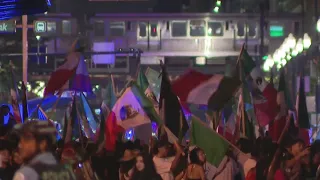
(36,137)
(4,153)
(163,148)
(245,145)
(141,162)
(16,158)
(4,110)
(296,146)
(197,156)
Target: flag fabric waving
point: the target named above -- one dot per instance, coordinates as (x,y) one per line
(154,79)
(64,73)
(132,109)
(197,88)
(209,141)
(143,83)
(174,117)
(14,98)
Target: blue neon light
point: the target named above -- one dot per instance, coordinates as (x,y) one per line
(13,8)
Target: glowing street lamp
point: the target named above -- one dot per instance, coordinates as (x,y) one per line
(291,42)
(306,41)
(299,46)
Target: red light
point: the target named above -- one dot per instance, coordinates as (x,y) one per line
(154,30)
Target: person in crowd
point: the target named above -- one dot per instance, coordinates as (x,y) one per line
(6,170)
(16,160)
(246,146)
(266,150)
(164,164)
(144,168)
(35,149)
(290,165)
(195,169)
(127,164)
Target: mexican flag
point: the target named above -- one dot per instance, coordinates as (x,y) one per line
(276,127)
(213,90)
(154,79)
(268,91)
(209,140)
(143,83)
(132,109)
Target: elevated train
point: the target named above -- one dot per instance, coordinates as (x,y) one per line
(178,39)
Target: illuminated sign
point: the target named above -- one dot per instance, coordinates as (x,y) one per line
(40,26)
(7,26)
(276,31)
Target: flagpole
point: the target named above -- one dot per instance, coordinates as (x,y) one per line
(112,83)
(242,104)
(271,170)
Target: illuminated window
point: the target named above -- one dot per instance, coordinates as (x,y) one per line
(179,28)
(117,28)
(99,28)
(51,27)
(215,29)
(66,27)
(197,28)
(143,29)
(153,29)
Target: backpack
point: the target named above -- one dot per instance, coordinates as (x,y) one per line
(53,171)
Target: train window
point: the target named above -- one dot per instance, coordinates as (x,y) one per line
(215,29)
(197,28)
(251,29)
(66,27)
(154,30)
(142,29)
(99,28)
(179,28)
(117,28)
(240,29)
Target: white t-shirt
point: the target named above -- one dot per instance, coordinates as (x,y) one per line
(163,166)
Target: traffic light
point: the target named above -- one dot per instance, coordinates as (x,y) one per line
(13,8)
(217,6)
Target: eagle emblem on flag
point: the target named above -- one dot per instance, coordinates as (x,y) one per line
(128,112)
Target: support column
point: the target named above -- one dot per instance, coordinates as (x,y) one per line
(25,49)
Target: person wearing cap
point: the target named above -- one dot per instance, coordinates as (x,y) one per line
(35,148)
(166,165)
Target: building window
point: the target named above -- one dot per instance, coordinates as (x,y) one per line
(66,27)
(251,29)
(215,29)
(117,28)
(51,27)
(142,29)
(240,29)
(153,29)
(197,28)
(179,28)
(99,28)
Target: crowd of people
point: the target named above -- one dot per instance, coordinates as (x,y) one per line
(29,151)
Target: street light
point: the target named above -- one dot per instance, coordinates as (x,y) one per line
(291,41)
(299,46)
(306,41)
